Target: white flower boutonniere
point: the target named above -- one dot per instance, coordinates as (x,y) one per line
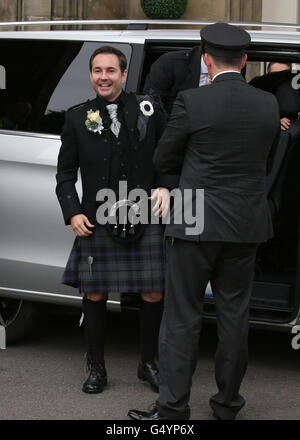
(146,108)
(94,121)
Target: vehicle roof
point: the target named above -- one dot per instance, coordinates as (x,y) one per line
(140,36)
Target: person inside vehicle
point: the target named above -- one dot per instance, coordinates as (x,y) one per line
(281,67)
(175,71)
(278,80)
(275,66)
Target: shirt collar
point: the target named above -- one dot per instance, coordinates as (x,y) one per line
(226,71)
(203,66)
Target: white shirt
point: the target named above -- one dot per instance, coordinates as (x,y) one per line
(203,74)
(225,71)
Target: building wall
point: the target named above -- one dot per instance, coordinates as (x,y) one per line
(117,9)
(208,10)
(196,10)
(105,9)
(228,10)
(278,11)
(9,11)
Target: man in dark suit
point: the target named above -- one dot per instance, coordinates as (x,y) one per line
(111,139)
(174,72)
(219,137)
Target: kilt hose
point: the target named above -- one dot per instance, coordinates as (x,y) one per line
(117,267)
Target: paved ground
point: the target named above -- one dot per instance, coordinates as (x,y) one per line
(41,377)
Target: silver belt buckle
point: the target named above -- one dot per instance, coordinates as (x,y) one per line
(125,202)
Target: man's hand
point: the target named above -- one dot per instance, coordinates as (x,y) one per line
(285,124)
(79,223)
(162,204)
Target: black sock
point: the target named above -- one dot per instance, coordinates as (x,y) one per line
(150,318)
(94,325)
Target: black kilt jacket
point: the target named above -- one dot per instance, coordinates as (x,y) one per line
(91,152)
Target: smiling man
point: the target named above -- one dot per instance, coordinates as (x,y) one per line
(112,139)
(108,73)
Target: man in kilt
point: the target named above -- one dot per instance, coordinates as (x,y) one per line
(111,139)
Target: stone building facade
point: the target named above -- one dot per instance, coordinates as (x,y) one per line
(207,10)
(17,10)
(226,10)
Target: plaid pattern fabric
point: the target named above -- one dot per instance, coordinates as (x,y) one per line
(135,267)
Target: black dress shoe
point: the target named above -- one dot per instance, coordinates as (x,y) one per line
(218,417)
(97,379)
(222,412)
(149,372)
(135,414)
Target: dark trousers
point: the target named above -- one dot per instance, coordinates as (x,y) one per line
(190,266)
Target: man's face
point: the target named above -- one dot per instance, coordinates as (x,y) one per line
(106,76)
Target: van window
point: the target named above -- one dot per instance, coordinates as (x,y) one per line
(2,78)
(44,79)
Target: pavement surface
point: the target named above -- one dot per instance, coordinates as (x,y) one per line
(41,377)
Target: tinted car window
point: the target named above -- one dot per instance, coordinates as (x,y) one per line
(2,77)
(43,79)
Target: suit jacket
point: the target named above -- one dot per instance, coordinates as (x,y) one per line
(220,138)
(172,73)
(91,152)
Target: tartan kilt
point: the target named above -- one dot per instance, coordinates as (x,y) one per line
(117,267)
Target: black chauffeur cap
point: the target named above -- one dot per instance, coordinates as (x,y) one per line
(223,39)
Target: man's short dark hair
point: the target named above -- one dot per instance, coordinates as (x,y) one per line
(110,50)
(227,62)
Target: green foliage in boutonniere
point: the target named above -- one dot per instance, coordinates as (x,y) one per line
(94,121)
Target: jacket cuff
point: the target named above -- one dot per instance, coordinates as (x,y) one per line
(167,181)
(70,206)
